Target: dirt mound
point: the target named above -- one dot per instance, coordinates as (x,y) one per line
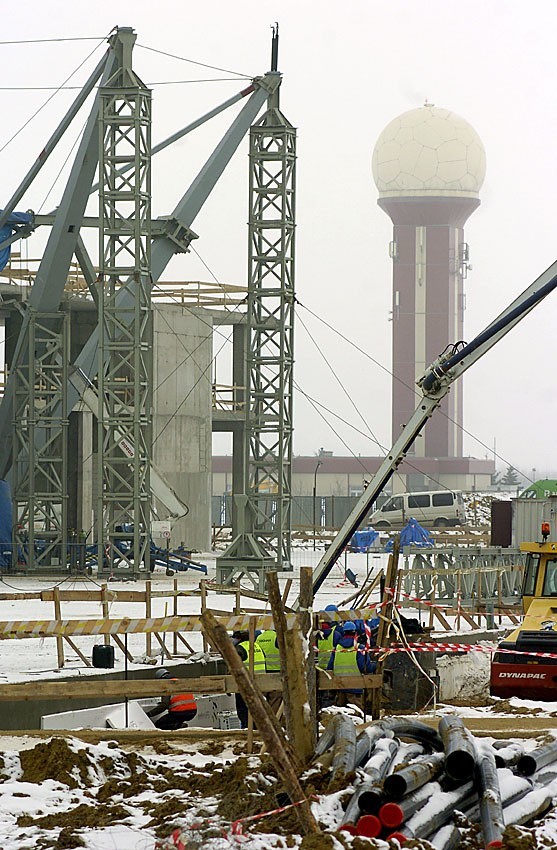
(55,759)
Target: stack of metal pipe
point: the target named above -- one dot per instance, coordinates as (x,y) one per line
(411,780)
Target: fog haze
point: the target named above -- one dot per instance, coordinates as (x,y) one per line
(348,69)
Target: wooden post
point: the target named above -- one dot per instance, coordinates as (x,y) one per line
(148,615)
(432,599)
(279,621)
(307,624)
(251,668)
(174,635)
(58,617)
(203,588)
(256,705)
(104,605)
(385,620)
(238,605)
(302,735)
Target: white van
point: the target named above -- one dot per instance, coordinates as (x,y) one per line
(437,508)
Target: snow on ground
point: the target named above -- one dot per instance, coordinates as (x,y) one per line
(25,659)
(65,793)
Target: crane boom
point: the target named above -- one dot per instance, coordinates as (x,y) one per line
(434,384)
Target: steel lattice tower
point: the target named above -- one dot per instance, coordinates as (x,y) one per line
(125,325)
(263,536)
(40,486)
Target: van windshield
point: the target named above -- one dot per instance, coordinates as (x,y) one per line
(394,504)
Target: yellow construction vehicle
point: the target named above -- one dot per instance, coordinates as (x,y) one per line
(525,663)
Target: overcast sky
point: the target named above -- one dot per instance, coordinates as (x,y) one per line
(349,68)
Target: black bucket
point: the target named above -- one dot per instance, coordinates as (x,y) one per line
(103,656)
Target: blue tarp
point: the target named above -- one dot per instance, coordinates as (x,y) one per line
(362,540)
(413,534)
(6,231)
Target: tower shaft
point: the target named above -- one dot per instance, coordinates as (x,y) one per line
(429,267)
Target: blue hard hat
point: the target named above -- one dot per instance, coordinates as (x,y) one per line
(349,626)
(331,608)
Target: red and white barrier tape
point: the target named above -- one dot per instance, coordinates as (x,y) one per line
(180,838)
(438,647)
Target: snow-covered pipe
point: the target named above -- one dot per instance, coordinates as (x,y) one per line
(460,753)
(374,770)
(491,807)
(392,815)
(398,784)
(434,814)
(530,762)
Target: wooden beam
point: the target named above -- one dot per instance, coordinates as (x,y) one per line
(88,688)
(307,623)
(279,620)
(256,704)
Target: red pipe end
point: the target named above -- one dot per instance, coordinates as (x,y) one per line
(391,815)
(368,825)
(402,839)
(493,845)
(349,827)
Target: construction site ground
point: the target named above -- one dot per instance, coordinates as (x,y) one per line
(118,790)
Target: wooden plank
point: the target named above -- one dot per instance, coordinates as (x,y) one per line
(26,594)
(93,595)
(88,688)
(77,651)
(11,629)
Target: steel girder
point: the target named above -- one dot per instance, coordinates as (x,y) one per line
(40,474)
(263,536)
(125,371)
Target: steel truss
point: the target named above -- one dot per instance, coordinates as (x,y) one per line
(264,533)
(40,479)
(125,326)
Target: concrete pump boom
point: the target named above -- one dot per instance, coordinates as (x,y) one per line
(434,384)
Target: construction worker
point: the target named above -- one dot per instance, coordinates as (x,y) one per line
(268,642)
(172,711)
(350,658)
(241,641)
(328,635)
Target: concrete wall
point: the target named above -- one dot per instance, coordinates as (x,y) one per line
(182,416)
(27,714)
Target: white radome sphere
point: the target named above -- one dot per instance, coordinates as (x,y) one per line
(429,151)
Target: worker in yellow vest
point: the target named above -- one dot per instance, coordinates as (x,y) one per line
(268,642)
(350,657)
(241,641)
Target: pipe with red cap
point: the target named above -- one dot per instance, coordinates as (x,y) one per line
(374,771)
(369,825)
(434,814)
(392,815)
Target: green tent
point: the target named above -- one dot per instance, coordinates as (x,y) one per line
(542,489)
